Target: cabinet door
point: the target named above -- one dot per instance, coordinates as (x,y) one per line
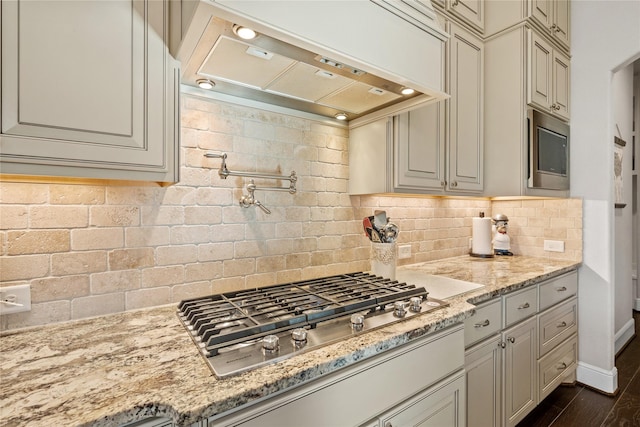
(419,147)
(562,20)
(465,118)
(442,405)
(88,89)
(470,11)
(520,379)
(483,366)
(561,85)
(541,11)
(540,69)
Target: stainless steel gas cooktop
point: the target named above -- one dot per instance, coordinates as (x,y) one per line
(239,331)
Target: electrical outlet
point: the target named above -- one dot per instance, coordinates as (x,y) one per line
(15,299)
(554,245)
(404,251)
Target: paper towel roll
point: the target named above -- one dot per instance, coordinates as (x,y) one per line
(481,243)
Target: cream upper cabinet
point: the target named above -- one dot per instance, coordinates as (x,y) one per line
(435,149)
(551,17)
(469,11)
(548,80)
(465,110)
(419,149)
(520,71)
(554,16)
(89,90)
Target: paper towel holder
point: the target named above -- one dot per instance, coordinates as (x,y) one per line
(479,255)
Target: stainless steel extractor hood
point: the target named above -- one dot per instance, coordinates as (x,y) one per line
(300,73)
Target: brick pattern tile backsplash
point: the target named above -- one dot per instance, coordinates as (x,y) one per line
(89,250)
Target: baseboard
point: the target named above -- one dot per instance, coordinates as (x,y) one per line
(636,306)
(597,378)
(624,335)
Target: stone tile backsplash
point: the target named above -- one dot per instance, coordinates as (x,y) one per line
(89,250)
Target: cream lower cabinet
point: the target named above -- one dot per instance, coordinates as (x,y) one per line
(520,379)
(434,149)
(419,382)
(89,90)
(519,348)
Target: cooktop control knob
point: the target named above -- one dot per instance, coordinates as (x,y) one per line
(270,343)
(398,309)
(299,335)
(357,321)
(414,304)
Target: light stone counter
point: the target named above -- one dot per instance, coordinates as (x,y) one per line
(125,367)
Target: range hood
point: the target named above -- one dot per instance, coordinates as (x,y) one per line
(303,60)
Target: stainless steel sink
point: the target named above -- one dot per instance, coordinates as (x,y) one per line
(439,287)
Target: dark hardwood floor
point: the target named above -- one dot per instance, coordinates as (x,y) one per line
(580,406)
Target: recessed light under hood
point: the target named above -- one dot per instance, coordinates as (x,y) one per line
(274,72)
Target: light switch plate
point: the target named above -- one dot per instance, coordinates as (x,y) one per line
(15,299)
(554,245)
(404,251)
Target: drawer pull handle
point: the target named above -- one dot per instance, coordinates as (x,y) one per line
(524,306)
(562,367)
(561,289)
(562,325)
(482,325)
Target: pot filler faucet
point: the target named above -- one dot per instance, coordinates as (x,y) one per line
(249,199)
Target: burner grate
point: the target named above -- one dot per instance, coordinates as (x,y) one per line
(227,319)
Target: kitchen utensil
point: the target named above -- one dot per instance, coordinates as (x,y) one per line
(389,233)
(380,219)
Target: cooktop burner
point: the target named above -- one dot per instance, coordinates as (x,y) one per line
(239,331)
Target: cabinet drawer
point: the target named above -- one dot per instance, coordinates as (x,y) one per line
(520,305)
(556,366)
(487,321)
(558,289)
(556,325)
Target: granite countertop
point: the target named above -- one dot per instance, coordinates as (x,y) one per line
(119,368)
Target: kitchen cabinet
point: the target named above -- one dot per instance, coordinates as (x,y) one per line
(519,348)
(552,18)
(511,75)
(89,90)
(548,79)
(436,148)
(436,407)
(483,366)
(520,379)
(471,12)
(435,395)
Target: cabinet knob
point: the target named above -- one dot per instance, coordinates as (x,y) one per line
(502,344)
(454,184)
(511,340)
(455,3)
(524,306)
(554,28)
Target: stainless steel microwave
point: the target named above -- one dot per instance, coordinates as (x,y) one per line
(548,152)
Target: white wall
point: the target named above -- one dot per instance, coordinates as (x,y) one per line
(605,36)
(622,104)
